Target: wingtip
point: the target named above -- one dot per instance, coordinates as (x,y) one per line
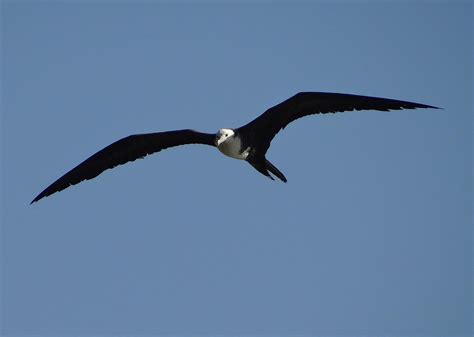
(426,106)
(36,199)
(422,106)
(433,107)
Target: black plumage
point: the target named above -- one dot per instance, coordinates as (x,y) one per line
(123,151)
(254,137)
(263,128)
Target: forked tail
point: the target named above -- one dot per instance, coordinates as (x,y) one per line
(262,165)
(275,171)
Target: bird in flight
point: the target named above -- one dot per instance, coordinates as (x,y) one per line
(249,142)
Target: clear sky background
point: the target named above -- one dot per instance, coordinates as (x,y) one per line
(371,236)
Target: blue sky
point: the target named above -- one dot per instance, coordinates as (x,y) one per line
(371,235)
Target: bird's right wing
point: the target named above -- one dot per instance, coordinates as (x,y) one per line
(268,124)
(125,150)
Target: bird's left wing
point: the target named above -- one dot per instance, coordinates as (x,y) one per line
(125,150)
(268,124)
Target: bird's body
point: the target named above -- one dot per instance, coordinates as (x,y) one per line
(249,142)
(231,144)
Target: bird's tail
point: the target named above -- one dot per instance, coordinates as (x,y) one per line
(262,165)
(270,167)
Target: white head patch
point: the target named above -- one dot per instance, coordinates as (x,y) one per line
(223,135)
(229,144)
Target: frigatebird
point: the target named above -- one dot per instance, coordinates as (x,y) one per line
(249,142)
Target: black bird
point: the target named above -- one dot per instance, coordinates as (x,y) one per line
(249,142)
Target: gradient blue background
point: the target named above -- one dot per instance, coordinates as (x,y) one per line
(371,236)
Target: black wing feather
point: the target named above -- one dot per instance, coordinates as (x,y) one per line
(125,150)
(268,124)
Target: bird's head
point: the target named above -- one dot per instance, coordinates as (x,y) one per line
(222,135)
